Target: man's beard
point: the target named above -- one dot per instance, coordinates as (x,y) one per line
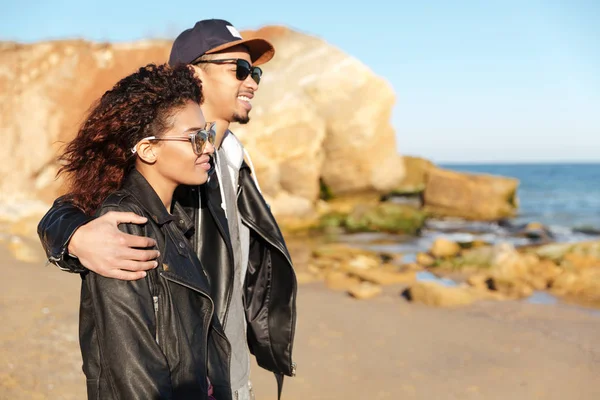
(241,119)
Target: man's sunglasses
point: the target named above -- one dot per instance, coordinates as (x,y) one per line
(198,138)
(243,68)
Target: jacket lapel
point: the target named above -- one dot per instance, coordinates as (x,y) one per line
(211,198)
(181,273)
(255,211)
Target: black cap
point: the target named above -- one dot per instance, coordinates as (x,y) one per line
(213,35)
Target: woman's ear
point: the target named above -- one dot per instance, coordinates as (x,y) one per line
(145,152)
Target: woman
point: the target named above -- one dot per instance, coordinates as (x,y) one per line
(155,338)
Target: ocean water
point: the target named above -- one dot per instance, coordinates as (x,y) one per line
(557,195)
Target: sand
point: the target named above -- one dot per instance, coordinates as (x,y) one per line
(384,348)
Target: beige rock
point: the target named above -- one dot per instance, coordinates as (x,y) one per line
(338,280)
(544,271)
(477,243)
(326,263)
(345,204)
(315,270)
(510,272)
(479,281)
(579,261)
(39,110)
(478,256)
(434,294)
(339,251)
(442,248)
(285,204)
(591,249)
(509,264)
(567,283)
(303,277)
(425,259)
(416,171)
(511,288)
(295,225)
(384,277)
(412,267)
(554,251)
(582,286)
(25,251)
(363,262)
(480,197)
(364,291)
(305,111)
(532,226)
(571,270)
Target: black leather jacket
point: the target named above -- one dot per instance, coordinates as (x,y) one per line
(157,337)
(270,284)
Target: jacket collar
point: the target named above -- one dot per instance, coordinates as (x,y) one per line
(137,185)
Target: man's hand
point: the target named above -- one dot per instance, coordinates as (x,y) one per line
(104,249)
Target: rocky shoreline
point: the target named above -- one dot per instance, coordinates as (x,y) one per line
(466,251)
(453,274)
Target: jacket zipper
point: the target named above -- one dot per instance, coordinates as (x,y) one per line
(154,292)
(272,243)
(212,310)
(218,223)
(155,301)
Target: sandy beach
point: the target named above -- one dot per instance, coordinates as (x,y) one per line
(384,348)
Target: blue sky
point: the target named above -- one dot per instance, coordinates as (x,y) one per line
(486,81)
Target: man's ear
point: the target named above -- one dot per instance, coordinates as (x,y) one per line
(145,151)
(198,72)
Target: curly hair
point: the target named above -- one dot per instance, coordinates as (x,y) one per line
(139,105)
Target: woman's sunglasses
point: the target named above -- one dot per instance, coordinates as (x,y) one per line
(198,138)
(243,68)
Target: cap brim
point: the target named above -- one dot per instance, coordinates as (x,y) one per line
(260,50)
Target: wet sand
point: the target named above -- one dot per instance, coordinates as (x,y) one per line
(383,348)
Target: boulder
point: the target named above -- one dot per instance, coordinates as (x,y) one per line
(415,177)
(443,248)
(384,277)
(339,280)
(365,291)
(320,116)
(479,281)
(45,90)
(385,217)
(317,110)
(582,286)
(425,259)
(437,295)
(470,196)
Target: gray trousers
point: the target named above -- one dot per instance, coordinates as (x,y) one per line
(245,393)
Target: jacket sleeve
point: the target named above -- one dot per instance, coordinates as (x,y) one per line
(55,231)
(125,318)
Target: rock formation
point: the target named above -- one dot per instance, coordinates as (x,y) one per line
(319,115)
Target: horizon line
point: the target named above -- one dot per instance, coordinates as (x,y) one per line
(518,162)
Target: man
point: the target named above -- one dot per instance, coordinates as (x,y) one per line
(237,239)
